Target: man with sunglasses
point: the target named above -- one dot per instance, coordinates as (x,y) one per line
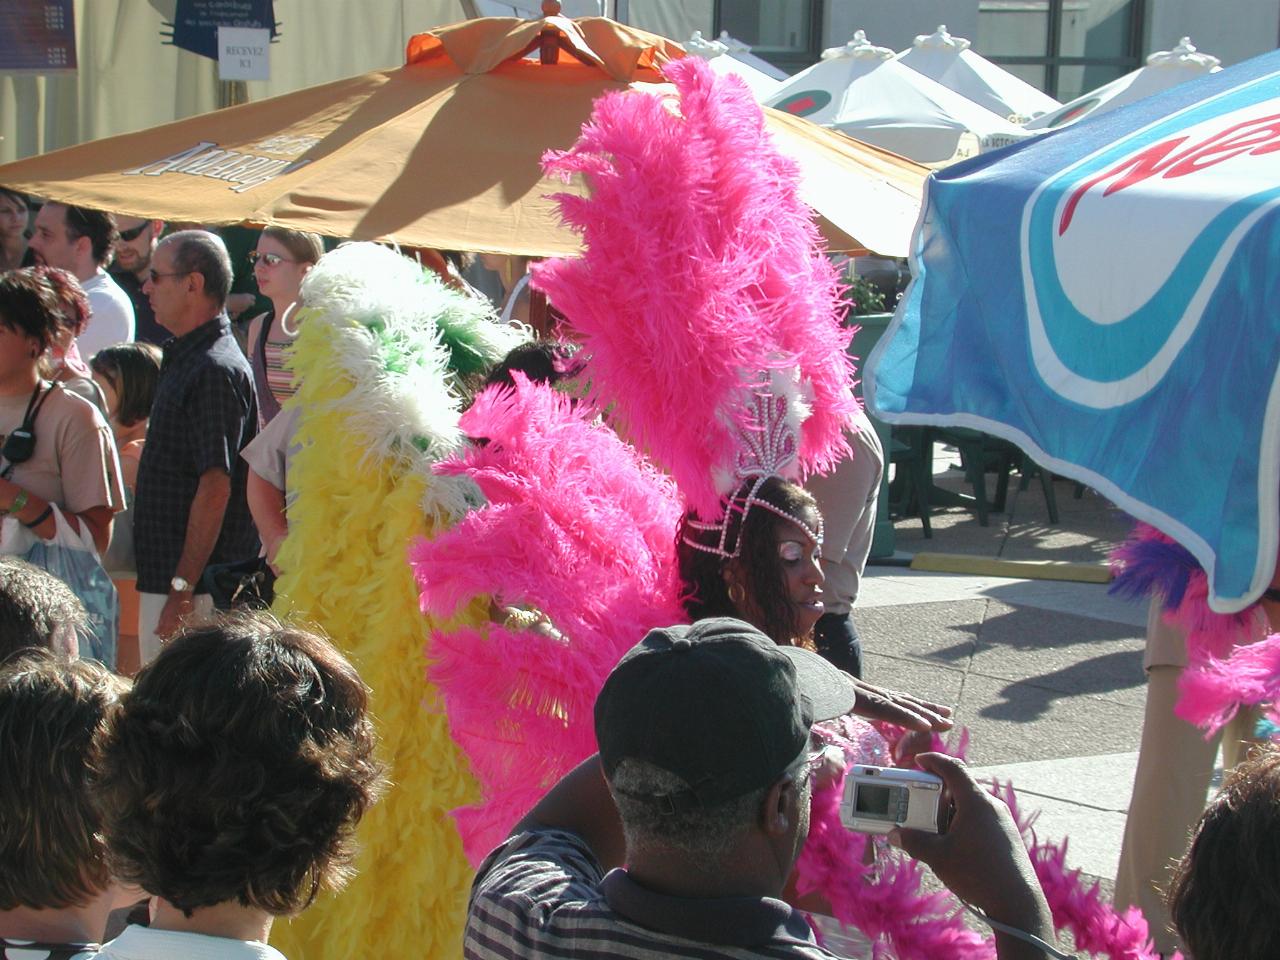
(134,249)
(702,789)
(80,240)
(190,509)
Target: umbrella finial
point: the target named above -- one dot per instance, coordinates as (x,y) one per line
(704,48)
(1184,54)
(859,47)
(550,8)
(940,39)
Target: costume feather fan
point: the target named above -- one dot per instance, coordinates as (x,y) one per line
(579,528)
(375,406)
(702,273)
(385,316)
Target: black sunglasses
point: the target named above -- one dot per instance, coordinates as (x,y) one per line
(133,233)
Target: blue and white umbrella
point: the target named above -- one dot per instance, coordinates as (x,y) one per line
(1108,298)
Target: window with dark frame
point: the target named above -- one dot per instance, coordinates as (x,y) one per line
(1064,47)
(787,33)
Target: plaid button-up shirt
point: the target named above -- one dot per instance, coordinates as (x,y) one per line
(205,413)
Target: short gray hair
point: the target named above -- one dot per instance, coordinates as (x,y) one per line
(202,252)
(708,833)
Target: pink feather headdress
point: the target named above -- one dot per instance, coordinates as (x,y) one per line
(703,289)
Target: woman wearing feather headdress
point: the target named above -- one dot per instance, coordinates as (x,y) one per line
(708,319)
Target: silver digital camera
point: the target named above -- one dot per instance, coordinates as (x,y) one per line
(877,799)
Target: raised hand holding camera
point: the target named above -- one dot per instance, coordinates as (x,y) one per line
(880,799)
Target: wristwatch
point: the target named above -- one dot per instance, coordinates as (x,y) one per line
(178,585)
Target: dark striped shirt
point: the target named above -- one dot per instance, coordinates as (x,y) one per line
(543,894)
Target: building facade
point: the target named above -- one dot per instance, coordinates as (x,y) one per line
(1064,47)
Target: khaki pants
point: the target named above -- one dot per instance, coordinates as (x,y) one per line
(1170,788)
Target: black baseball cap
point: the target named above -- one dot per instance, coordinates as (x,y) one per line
(718,704)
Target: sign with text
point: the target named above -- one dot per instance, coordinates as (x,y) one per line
(196,23)
(243,53)
(38,36)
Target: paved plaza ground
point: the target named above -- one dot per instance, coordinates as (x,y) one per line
(1047,675)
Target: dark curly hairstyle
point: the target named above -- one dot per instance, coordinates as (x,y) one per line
(50,844)
(238,768)
(706,593)
(1228,883)
(29,305)
(541,361)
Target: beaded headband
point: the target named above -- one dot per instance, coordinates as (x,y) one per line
(766,450)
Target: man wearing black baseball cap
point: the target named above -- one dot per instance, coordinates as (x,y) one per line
(702,788)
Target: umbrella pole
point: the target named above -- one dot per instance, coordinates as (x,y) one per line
(232,93)
(538,316)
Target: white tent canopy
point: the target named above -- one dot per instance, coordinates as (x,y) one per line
(861,90)
(720,56)
(949,61)
(1165,69)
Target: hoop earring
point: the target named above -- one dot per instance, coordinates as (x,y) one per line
(737,598)
(284,320)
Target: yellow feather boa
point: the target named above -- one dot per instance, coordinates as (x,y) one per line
(346,571)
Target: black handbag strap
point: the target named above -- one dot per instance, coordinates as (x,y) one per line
(29,418)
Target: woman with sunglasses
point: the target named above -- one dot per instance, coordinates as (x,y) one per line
(282,259)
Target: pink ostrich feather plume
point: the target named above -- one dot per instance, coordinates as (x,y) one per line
(1213,690)
(1095,926)
(702,273)
(577,526)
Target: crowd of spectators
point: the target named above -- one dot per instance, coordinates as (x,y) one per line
(180,813)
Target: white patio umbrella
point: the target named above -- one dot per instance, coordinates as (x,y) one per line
(949,61)
(861,90)
(719,55)
(1163,70)
(742,51)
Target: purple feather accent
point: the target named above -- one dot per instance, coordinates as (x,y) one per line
(1151,563)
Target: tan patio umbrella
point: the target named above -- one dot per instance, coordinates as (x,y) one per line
(442,152)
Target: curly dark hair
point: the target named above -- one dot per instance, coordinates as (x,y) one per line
(29,305)
(706,594)
(50,844)
(541,361)
(1228,883)
(238,768)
